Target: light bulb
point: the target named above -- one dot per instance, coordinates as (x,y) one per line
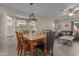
(70,14)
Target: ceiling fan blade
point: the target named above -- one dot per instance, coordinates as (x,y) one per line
(64,14)
(76,12)
(28,20)
(70,7)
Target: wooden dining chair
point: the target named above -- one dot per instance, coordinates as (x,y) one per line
(19,46)
(22,45)
(25,45)
(47,47)
(25,31)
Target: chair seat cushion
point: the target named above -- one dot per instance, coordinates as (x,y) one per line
(40,46)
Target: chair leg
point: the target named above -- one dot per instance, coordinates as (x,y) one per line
(18,51)
(21,49)
(36,52)
(24,52)
(45,52)
(17,48)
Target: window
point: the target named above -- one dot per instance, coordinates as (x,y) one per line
(76,26)
(9,26)
(21,22)
(21,25)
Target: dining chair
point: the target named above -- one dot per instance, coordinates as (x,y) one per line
(25,31)
(47,47)
(24,45)
(19,46)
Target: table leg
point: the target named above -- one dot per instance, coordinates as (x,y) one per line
(33,50)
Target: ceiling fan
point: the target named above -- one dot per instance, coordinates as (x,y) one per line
(71,10)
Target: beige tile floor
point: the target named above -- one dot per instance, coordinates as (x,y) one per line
(59,49)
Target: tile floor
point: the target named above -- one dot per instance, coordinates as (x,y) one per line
(59,49)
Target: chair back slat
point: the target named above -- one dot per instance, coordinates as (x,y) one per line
(20,38)
(17,35)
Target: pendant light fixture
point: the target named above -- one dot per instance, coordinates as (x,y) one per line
(32,16)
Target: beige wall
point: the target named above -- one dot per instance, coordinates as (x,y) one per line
(66,26)
(40,25)
(63,25)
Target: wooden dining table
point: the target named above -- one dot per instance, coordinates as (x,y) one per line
(34,40)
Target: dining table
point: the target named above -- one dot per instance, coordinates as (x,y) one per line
(34,40)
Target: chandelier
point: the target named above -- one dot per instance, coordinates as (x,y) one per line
(32,16)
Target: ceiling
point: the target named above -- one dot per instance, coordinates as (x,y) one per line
(46,11)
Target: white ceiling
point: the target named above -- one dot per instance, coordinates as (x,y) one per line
(46,11)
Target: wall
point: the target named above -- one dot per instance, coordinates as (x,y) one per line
(44,25)
(1,38)
(63,26)
(41,25)
(11,12)
(66,26)
(2,32)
